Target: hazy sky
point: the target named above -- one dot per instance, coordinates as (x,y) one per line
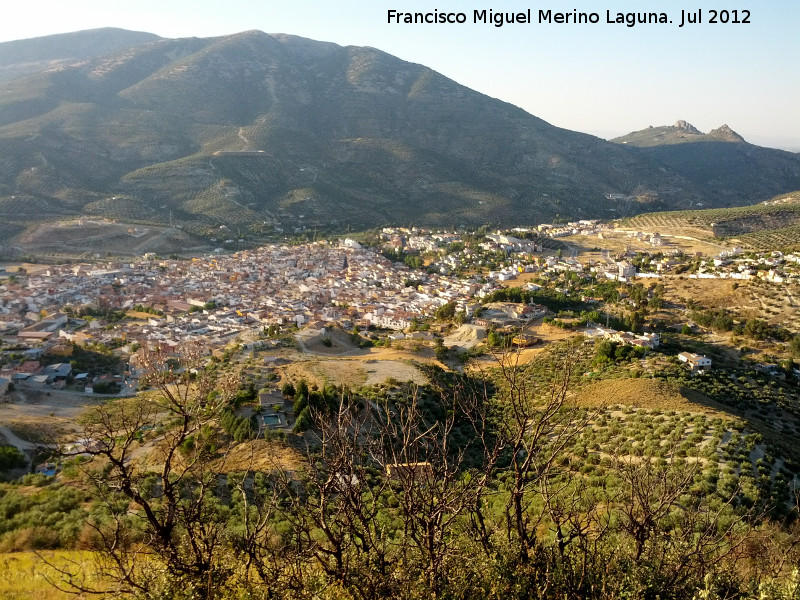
(605,79)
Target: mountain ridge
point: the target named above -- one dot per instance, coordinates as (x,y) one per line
(21,57)
(253,130)
(707,158)
(680,133)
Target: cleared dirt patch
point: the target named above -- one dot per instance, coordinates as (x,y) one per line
(354,372)
(549,333)
(312,341)
(512,358)
(41,417)
(466,336)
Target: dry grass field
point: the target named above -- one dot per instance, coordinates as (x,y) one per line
(646,393)
(24,575)
(776,304)
(375,367)
(711,293)
(260,455)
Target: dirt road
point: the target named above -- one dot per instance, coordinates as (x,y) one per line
(31,417)
(11,438)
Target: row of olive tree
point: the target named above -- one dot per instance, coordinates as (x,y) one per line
(479,498)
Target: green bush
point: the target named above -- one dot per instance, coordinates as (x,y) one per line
(11,458)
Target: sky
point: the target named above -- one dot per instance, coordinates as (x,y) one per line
(606,79)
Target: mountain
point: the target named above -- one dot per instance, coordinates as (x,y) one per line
(680,133)
(23,57)
(721,165)
(253,131)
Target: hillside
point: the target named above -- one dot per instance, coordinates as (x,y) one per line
(23,57)
(255,132)
(770,225)
(721,164)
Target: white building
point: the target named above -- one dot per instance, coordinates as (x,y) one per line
(695,361)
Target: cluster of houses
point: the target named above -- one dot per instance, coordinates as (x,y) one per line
(645,340)
(733,263)
(774,267)
(582,227)
(696,362)
(521,255)
(31,374)
(219,297)
(654,239)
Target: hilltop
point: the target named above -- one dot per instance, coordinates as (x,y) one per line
(682,132)
(721,164)
(25,57)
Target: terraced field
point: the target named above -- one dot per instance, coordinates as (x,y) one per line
(90,237)
(124,208)
(785,238)
(771,225)
(780,211)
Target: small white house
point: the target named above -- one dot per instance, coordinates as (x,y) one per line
(695,361)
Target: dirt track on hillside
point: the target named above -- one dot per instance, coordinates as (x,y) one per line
(39,417)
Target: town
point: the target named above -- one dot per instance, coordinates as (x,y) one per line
(260,297)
